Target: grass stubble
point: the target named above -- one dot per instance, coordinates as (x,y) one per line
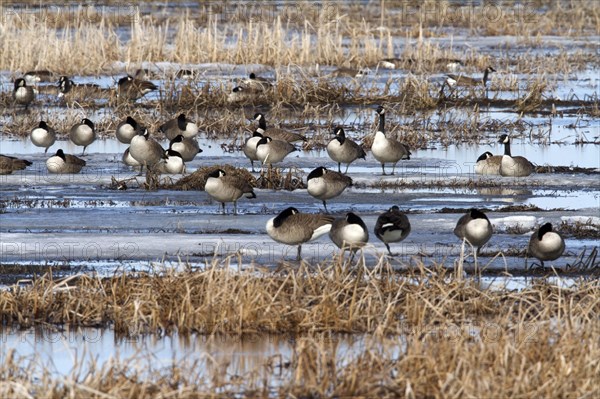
(431,333)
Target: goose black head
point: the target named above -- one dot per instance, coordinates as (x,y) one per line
(316,173)
(504,139)
(217,173)
(264,140)
(20,83)
(490,69)
(172,153)
(132,122)
(286,213)
(485,156)
(380,110)
(61,154)
(124,80)
(88,123)
(340,135)
(181,122)
(546,228)
(176,139)
(43,125)
(353,218)
(238,89)
(394,209)
(258,116)
(477,214)
(252,76)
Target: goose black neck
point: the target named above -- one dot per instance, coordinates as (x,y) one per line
(485,76)
(262,123)
(382,122)
(507,148)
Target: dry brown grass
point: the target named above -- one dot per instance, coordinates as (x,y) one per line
(234,33)
(433,333)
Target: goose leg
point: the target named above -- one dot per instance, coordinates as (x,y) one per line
(383,168)
(223,208)
(347,166)
(394,169)
(340,167)
(299,256)
(252,163)
(235,207)
(388,248)
(84,147)
(325,205)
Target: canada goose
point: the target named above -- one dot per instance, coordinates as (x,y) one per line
(180,125)
(249,148)
(488,164)
(475,228)
(43,75)
(387,150)
(127,130)
(546,244)
(294,228)
(276,133)
(392,226)
(23,94)
(66,85)
(453,80)
(349,232)
(43,136)
(83,133)
(129,88)
(129,160)
(348,72)
(242,94)
(145,150)
(62,163)
(187,147)
(172,163)
(270,151)
(325,184)
(256,84)
(227,188)
(393,63)
(11,164)
(513,166)
(343,150)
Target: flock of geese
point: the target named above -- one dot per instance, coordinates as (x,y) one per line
(269,146)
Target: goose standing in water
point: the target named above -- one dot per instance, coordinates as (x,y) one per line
(23,94)
(475,228)
(546,244)
(325,184)
(513,166)
(343,150)
(145,150)
(387,150)
(83,133)
(43,136)
(249,148)
(227,188)
(392,226)
(127,130)
(294,228)
(349,232)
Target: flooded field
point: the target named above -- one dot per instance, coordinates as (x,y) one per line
(109,275)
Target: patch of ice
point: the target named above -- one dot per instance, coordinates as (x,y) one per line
(593,220)
(526,222)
